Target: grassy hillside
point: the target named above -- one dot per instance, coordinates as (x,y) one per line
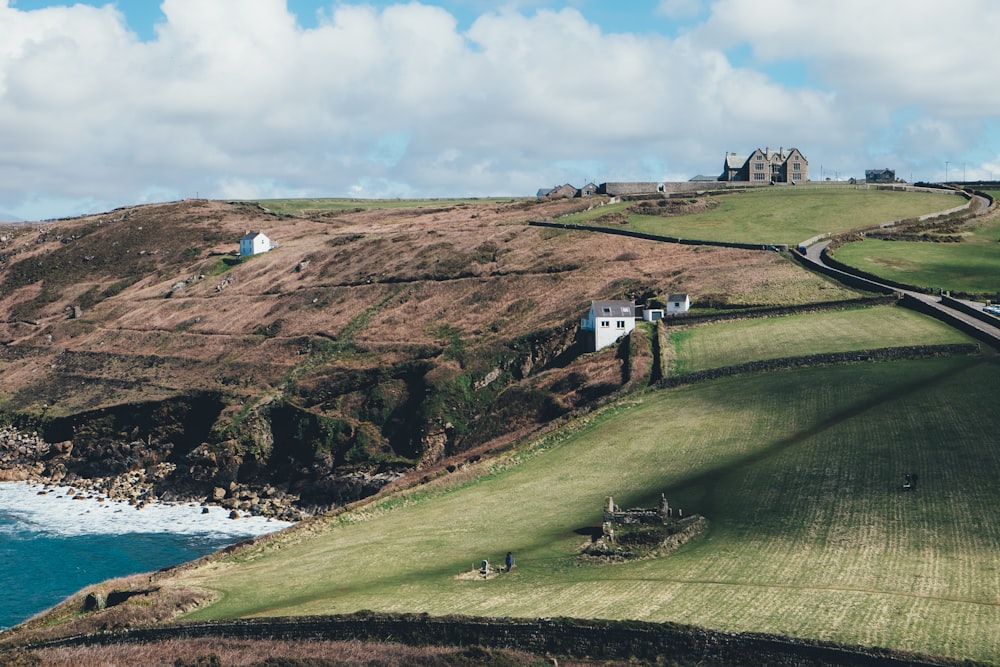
(731,343)
(773,215)
(969,266)
(799,474)
(381,336)
(372,338)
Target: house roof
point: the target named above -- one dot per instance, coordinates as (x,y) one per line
(613,308)
(677,297)
(734,161)
(250,236)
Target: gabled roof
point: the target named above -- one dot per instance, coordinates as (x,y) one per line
(677,297)
(250,236)
(612,308)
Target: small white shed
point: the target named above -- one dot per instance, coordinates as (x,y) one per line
(254,243)
(678,303)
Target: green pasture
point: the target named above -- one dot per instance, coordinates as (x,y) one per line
(730,343)
(783,215)
(798,472)
(306,207)
(972,266)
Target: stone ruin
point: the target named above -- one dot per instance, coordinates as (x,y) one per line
(642,532)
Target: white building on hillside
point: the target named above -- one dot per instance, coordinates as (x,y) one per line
(254,243)
(678,303)
(609,320)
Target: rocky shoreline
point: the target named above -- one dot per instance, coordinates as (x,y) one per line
(27,457)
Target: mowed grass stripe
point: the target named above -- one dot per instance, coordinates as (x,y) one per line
(809,532)
(730,343)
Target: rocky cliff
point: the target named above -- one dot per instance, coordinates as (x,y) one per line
(150,361)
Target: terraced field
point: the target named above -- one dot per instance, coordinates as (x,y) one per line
(736,342)
(798,472)
(969,266)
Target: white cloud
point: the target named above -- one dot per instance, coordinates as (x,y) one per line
(234,99)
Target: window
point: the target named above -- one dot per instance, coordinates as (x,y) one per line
(621,324)
(605,323)
(625,310)
(759,167)
(796,166)
(758,177)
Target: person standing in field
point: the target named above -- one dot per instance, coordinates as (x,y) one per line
(510,560)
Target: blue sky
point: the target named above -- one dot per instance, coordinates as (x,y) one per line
(117,102)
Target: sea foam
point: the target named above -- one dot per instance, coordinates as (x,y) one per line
(54,511)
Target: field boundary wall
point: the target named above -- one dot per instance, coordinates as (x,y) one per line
(595,639)
(826,358)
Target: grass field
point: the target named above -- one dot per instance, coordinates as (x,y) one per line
(784,215)
(304,207)
(730,343)
(970,266)
(797,472)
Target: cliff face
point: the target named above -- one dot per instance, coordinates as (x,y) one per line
(368,343)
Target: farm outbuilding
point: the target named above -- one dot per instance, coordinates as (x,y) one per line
(254,243)
(678,303)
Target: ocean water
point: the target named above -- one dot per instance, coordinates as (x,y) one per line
(52,545)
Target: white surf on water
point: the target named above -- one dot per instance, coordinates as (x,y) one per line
(54,510)
(53,545)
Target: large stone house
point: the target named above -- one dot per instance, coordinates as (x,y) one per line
(767,166)
(609,320)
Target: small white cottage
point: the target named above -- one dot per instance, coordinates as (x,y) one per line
(678,303)
(254,243)
(609,320)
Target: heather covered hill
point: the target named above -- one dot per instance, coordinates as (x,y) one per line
(369,341)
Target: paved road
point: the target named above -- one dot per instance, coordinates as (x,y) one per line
(988,332)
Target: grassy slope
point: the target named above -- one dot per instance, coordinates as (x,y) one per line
(969,266)
(798,473)
(785,215)
(731,343)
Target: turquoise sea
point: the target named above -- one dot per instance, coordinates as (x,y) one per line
(52,545)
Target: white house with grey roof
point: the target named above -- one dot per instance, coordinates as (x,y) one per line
(609,320)
(254,243)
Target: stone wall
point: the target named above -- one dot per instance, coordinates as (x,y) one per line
(880,354)
(563,637)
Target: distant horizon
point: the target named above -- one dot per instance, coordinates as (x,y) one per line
(8,219)
(107,103)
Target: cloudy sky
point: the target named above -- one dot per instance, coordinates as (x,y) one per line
(106,103)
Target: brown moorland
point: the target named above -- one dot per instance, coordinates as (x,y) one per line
(368,342)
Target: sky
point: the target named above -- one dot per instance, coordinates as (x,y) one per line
(108,103)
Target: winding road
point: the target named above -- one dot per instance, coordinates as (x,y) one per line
(966,315)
